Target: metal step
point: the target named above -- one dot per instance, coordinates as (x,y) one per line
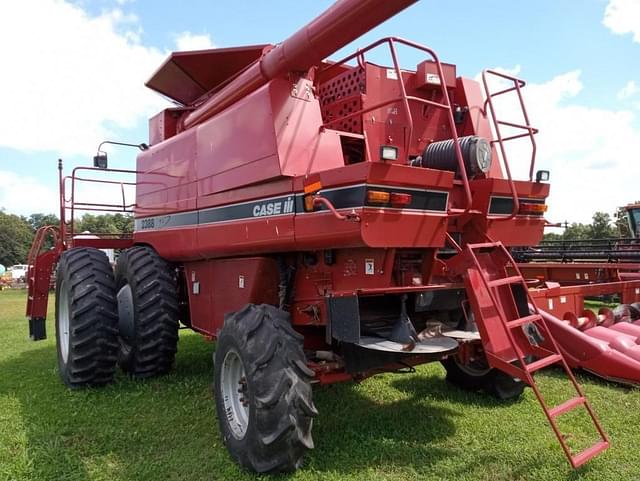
(579,459)
(505,281)
(523,320)
(566,406)
(544,362)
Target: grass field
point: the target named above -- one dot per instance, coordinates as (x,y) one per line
(393,427)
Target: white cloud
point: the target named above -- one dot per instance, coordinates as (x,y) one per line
(629,90)
(25,195)
(622,17)
(190,41)
(71,80)
(586,149)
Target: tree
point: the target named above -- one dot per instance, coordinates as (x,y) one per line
(38,220)
(15,239)
(576,231)
(552,236)
(601,227)
(105,224)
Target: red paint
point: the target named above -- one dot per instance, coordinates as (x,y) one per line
(220,287)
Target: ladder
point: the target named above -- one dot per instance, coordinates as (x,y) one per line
(515,336)
(41,263)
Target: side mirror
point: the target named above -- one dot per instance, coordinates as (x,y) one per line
(100,160)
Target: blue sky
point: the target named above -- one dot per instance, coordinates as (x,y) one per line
(581,62)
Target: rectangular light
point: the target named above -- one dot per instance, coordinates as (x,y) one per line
(542,176)
(308,203)
(529,208)
(388,152)
(378,197)
(399,199)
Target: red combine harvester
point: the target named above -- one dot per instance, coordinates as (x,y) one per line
(324,221)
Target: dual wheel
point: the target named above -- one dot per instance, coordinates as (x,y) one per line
(262,382)
(102,319)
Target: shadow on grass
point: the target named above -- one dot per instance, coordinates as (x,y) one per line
(166,428)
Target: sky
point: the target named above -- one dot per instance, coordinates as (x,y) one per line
(73,74)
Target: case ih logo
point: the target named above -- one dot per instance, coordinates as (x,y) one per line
(273,208)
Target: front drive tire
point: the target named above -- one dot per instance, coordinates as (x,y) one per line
(86,318)
(262,390)
(148,312)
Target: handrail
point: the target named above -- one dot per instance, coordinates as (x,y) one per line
(67,229)
(404,99)
(351,216)
(530,131)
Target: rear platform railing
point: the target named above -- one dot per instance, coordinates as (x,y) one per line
(404,100)
(70,205)
(529,131)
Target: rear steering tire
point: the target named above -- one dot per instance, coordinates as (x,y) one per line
(86,318)
(480,377)
(148,312)
(262,390)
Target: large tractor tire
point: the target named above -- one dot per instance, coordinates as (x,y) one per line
(148,312)
(86,318)
(478,376)
(263,391)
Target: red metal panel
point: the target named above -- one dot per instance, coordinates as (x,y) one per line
(226,160)
(176,244)
(427,75)
(166,177)
(403,229)
(576,273)
(560,300)
(303,147)
(243,237)
(219,287)
(163,125)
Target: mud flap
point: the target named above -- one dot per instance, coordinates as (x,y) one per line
(37,329)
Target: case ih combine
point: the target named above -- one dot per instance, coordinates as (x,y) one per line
(324,221)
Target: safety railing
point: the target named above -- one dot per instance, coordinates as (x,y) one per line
(404,99)
(44,232)
(529,131)
(71,205)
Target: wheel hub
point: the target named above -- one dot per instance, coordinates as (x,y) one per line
(235,394)
(474,367)
(63,321)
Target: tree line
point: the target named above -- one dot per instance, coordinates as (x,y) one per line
(17,231)
(602,227)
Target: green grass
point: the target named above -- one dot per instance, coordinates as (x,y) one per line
(392,427)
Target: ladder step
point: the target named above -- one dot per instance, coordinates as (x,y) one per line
(504,281)
(579,459)
(544,362)
(566,406)
(485,245)
(523,320)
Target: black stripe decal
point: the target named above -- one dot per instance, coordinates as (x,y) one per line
(341,198)
(504,205)
(262,208)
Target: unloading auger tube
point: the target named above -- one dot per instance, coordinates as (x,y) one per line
(342,23)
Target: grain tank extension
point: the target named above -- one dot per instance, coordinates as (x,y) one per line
(324,221)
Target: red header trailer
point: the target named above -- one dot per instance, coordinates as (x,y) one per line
(324,221)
